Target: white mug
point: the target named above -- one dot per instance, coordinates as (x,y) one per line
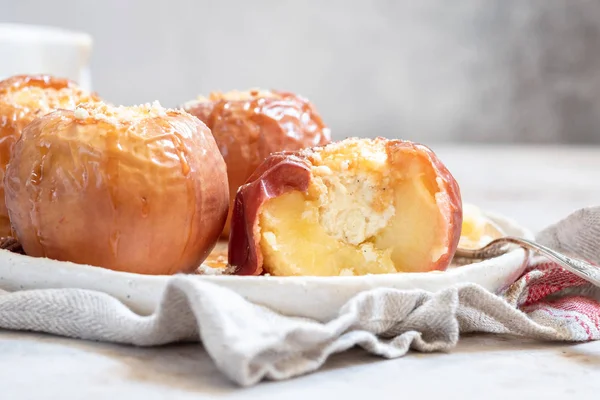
(32,49)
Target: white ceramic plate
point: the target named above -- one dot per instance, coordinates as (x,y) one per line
(312,297)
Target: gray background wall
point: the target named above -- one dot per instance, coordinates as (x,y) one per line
(429,70)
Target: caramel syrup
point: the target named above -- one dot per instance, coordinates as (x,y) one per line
(113,149)
(181,151)
(34,184)
(145,207)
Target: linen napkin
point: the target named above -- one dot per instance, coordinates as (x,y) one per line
(249,343)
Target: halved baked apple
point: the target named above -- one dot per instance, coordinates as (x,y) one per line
(355,207)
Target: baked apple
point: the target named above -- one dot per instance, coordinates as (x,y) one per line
(139,189)
(355,207)
(249,126)
(22,99)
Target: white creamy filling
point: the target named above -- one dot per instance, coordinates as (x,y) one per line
(346,209)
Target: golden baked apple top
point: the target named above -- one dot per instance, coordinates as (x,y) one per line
(356,207)
(249,126)
(139,189)
(22,99)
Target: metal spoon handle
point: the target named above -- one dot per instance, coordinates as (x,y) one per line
(584,270)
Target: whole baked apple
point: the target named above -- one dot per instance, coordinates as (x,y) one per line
(355,207)
(22,99)
(139,189)
(249,126)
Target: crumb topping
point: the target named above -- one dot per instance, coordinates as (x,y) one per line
(81,113)
(45,100)
(234,95)
(100,111)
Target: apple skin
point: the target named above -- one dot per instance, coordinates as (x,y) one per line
(278,174)
(288,171)
(249,129)
(16,115)
(146,195)
(450,200)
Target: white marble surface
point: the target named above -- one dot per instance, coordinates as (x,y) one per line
(534,185)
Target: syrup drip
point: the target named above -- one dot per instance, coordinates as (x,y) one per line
(191,193)
(145,207)
(181,151)
(112,182)
(34,184)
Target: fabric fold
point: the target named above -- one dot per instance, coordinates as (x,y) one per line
(249,342)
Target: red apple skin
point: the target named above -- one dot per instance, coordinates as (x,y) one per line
(288,171)
(450,201)
(248,130)
(278,174)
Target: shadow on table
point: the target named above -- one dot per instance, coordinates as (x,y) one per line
(183,366)
(570,351)
(188,367)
